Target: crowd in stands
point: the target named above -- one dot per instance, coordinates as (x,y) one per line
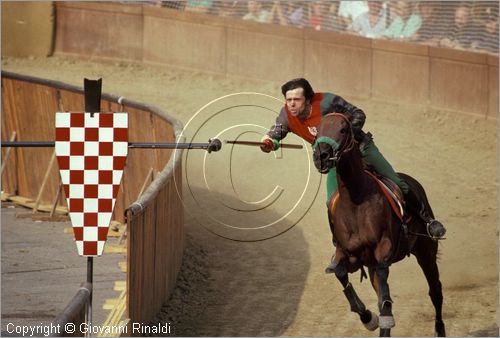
(453,24)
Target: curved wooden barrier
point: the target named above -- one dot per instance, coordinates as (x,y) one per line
(443,78)
(155,241)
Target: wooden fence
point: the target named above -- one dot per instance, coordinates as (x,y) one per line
(154,219)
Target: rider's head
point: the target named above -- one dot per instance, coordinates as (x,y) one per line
(299,83)
(298,95)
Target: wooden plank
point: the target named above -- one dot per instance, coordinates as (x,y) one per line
(10,175)
(114,318)
(5,196)
(113,248)
(29,203)
(148,261)
(120,285)
(135,246)
(144,185)
(44,182)
(56,200)
(35,102)
(110,303)
(163,134)
(5,159)
(71,101)
(161,246)
(123,266)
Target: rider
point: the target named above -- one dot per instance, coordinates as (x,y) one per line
(302,114)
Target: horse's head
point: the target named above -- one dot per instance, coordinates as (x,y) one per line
(333,139)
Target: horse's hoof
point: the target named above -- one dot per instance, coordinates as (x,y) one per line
(440,330)
(372,325)
(385,333)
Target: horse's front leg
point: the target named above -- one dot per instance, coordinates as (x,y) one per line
(386,320)
(369,319)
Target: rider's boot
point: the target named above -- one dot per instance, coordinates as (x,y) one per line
(435,229)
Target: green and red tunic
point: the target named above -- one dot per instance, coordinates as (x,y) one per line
(307,128)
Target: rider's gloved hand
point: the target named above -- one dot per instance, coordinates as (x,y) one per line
(268,144)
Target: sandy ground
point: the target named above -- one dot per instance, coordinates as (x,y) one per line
(248,286)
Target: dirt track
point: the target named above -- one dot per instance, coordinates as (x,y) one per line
(277,286)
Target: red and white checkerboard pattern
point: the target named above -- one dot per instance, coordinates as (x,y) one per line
(91,151)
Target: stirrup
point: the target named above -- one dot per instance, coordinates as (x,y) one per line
(435,229)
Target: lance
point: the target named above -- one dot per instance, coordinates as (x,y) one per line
(252,143)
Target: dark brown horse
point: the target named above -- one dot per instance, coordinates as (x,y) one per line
(367,230)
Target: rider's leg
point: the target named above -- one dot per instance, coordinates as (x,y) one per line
(331,184)
(331,188)
(372,156)
(416,206)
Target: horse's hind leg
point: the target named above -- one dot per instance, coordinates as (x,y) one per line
(426,252)
(369,319)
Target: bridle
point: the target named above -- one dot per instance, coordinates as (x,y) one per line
(347,144)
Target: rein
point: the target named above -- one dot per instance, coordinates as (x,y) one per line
(345,147)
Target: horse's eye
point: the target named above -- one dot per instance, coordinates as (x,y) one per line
(342,131)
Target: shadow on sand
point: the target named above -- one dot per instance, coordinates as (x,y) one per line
(237,288)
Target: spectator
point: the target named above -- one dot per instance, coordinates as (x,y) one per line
(289,15)
(317,15)
(225,8)
(257,13)
(459,34)
(173,4)
(333,21)
(428,32)
(199,6)
(487,37)
(371,24)
(349,11)
(405,23)
(295,13)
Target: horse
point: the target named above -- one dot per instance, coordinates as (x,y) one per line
(367,230)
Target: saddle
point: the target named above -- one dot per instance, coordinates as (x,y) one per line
(391,191)
(393,194)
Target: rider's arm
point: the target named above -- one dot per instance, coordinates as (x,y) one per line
(356,115)
(277,132)
(280,128)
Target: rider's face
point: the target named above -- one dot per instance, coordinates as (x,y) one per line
(295,101)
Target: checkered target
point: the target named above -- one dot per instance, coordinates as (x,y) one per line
(91,150)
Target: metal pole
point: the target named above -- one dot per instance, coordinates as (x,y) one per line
(90,272)
(48,144)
